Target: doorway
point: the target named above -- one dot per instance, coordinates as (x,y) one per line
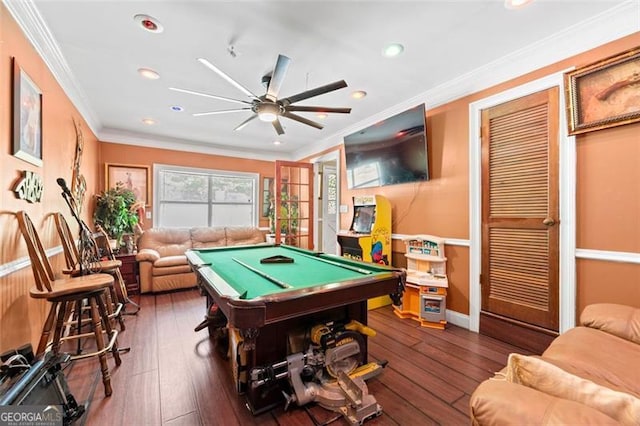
(566,179)
(327,202)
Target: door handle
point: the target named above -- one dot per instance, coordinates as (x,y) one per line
(548,221)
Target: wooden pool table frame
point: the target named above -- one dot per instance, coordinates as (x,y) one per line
(265,321)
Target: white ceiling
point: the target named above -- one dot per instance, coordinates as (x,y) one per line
(95,48)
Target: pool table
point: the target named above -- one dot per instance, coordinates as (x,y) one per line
(265,291)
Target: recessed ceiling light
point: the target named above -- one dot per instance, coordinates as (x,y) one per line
(149,23)
(358,94)
(148,73)
(392,50)
(322,116)
(277,143)
(176,108)
(516,4)
(149,121)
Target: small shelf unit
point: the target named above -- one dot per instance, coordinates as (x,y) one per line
(425,295)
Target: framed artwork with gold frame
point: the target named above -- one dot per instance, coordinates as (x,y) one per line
(604,94)
(134,177)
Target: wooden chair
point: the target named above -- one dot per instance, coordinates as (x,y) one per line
(63,294)
(72,257)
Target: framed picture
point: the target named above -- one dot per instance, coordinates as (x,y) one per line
(604,94)
(135,178)
(27,117)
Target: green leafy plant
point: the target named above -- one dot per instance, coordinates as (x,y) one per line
(288,214)
(116,211)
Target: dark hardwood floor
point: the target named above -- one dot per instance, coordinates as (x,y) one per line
(174,376)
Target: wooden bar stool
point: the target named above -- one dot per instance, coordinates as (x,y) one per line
(63,294)
(74,266)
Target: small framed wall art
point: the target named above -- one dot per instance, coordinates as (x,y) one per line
(604,94)
(133,177)
(27,117)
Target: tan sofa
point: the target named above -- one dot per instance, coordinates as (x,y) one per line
(588,375)
(163,264)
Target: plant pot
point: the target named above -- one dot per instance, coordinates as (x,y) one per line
(271,238)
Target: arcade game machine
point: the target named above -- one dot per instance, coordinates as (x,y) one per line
(369,237)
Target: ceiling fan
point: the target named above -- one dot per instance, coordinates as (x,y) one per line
(268,107)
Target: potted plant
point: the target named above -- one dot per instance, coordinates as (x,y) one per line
(116,212)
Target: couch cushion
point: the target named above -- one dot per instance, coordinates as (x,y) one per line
(208,237)
(619,320)
(598,356)
(536,373)
(167,261)
(166,241)
(243,235)
(498,402)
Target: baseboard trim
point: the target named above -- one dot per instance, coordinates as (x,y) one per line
(456,318)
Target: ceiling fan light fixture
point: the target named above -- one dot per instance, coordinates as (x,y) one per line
(267,111)
(322,115)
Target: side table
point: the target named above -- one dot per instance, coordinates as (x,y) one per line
(129,271)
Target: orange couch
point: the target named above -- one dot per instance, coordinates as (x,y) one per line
(588,375)
(163,264)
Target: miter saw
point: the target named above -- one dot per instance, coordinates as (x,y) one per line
(329,372)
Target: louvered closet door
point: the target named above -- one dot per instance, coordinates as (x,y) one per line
(520,210)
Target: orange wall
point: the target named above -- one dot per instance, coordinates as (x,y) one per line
(21,317)
(129,154)
(608,193)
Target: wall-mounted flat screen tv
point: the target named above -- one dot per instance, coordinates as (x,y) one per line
(390,152)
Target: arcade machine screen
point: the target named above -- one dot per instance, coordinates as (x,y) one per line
(363,218)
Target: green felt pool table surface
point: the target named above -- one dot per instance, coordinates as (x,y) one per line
(241,268)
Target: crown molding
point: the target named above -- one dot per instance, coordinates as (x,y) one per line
(130,138)
(617,22)
(28,17)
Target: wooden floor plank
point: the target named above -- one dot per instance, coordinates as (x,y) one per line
(173,366)
(421,398)
(175,376)
(449,383)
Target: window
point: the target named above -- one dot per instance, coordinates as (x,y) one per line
(186,197)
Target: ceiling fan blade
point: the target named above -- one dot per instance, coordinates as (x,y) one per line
(206,95)
(222,74)
(314,92)
(302,120)
(278,126)
(317,109)
(279,72)
(224,111)
(245,122)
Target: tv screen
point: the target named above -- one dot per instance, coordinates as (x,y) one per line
(390,152)
(363,219)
